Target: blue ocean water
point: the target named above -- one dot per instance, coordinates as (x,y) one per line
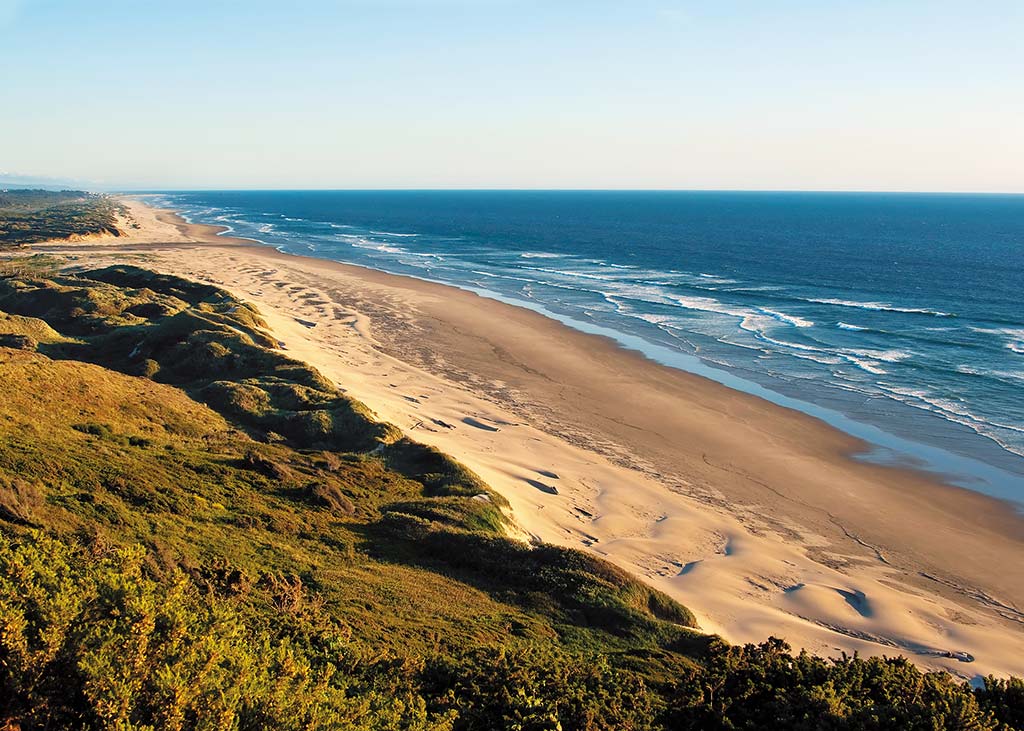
(897,317)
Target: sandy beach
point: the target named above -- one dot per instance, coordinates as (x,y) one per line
(754,516)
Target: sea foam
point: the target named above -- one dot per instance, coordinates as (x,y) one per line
(879,306)
(790,319)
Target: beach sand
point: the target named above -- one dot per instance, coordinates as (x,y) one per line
(753,515)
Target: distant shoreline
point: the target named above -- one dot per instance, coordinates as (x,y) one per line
(985,465)
(858,445)
(751,514)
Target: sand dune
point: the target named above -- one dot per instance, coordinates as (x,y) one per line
(752,515)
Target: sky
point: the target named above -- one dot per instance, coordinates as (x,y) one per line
(785,95)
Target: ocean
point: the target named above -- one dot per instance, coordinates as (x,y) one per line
(898,318)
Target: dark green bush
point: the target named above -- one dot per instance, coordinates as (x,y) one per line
(764,686)
(232,567)
(90,641)
(539,690)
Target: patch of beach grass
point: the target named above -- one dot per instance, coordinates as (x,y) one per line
(197,531)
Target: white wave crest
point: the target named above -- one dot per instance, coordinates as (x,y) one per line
(715,278)
(660,320)
(985,372)
(1014,336)
(790,319)
(823,359)
(360,243)
(889,356)
(871,366)
(879,307)
(955,412)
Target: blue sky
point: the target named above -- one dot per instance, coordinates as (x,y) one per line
(512,94)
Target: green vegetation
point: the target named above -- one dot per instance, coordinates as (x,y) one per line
(30,216)
(198,532)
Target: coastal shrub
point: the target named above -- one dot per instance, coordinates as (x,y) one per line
(29,327)
(174,556)
(31,216)
(97,430)
(765,686)
(199,337)
(477,513)
(436,471)
(254,460)
(148,368)
(33,265)
(326,429)
(329,496)
(41,299)
(244,400)
(337,423)
(18,342)
(1004,699)
(541,690)
(72,306)
(154,310)
(175,294)
(587,590)
(91,641)
(19,500)
(242,317)
(131,277)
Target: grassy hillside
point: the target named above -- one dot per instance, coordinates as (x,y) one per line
(30,216)
(198,532)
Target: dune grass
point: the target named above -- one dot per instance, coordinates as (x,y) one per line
(198,532)
(31,216)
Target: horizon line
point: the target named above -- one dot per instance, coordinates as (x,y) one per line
(140,191)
